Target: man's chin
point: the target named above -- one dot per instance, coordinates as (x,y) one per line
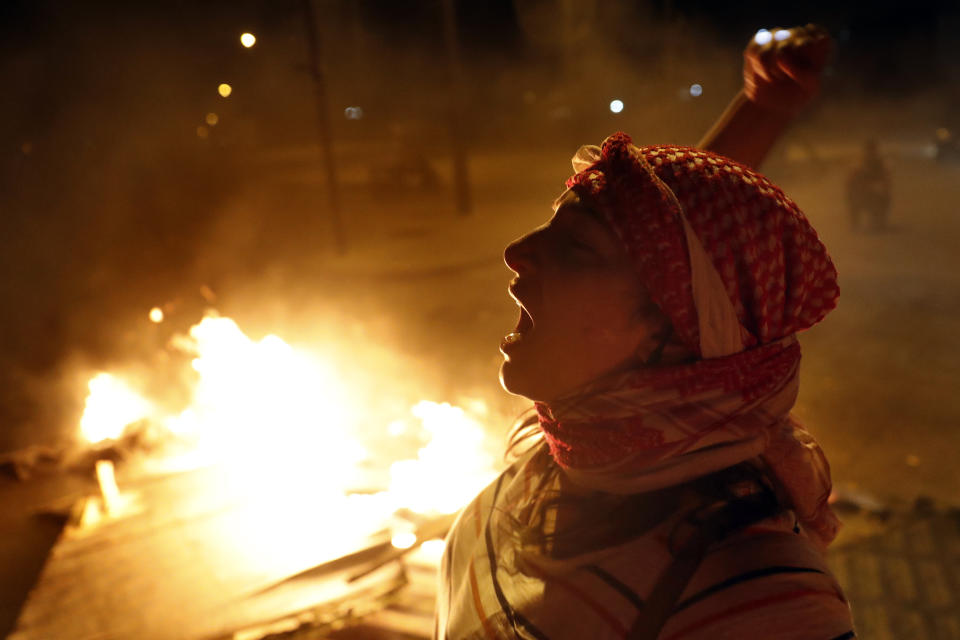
(519,383)
(504,378)
(529,381)
(509,381)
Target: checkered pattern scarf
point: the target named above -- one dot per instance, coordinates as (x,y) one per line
(738,270)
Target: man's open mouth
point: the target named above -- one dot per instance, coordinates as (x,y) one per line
(524,322)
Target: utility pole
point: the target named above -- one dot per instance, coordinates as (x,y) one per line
(461,180)
(323,123)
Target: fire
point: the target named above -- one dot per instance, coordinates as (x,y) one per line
(264,399)
(111,405)
(288,425)
(449,469)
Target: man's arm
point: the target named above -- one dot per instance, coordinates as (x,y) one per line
(781,74)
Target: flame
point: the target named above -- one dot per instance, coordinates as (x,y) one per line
(450,469)
(257,399)
(287,424)
(111,405)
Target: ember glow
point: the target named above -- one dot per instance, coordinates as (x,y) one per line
(286,414)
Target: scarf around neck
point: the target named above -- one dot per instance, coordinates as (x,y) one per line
(656,428)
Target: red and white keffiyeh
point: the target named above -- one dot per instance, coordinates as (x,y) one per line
(738,270)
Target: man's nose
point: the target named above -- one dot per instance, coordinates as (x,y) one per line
(519,254)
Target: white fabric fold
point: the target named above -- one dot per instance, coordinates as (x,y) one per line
(720,329)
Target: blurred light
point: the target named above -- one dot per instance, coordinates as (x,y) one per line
(434,546)
(212,119)
(781,34)
(432,550)
(696,90)
(353,113)
(224,89)
(397,428)
(26,148)
(156,315)
(616,106)
(202,132)
(404,540)
(763,37)
(248,40)
(943,134)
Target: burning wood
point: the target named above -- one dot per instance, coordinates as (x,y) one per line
(262,530)
(108,487)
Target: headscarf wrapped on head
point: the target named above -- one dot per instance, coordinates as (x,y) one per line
(738,270)
(771,263)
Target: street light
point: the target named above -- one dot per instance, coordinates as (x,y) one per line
(247,39)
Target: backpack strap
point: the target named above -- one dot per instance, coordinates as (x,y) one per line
(719,524)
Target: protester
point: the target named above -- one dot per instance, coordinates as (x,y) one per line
(663,490)
(868,190)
